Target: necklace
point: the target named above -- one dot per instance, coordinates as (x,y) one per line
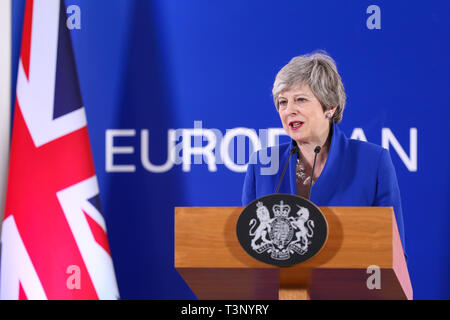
(300,172)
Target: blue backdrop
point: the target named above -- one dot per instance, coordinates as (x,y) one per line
(160,65)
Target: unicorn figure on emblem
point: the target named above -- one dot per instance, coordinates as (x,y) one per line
(303,233)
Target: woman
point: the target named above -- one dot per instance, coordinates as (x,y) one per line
(310,98)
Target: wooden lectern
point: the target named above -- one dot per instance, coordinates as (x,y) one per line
(210,259)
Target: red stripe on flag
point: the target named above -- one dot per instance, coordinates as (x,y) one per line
(22,295)
(26,36)
(98,233)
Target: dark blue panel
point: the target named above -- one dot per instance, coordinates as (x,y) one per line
(67,90)
(95,201)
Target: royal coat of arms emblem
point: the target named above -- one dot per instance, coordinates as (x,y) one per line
(281,235)
(283,231)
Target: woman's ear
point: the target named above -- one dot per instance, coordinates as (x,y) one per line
(330,112)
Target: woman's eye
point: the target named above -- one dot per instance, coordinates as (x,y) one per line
(301,99)
(282,102)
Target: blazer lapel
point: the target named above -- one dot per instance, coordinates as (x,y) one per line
(325,186)
(292,177)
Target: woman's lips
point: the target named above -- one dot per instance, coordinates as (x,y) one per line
(295,125)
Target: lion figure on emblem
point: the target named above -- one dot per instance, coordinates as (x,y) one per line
(261,232)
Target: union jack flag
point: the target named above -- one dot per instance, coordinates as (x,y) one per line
(54,242)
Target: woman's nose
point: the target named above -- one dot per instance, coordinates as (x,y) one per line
(291,107)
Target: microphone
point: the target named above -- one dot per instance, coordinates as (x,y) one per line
(316,151)
(293,150)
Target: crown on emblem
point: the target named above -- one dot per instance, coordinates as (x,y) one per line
(281,210)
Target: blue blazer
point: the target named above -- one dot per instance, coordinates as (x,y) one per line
(356,173)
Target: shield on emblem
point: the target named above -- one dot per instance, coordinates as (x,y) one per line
(281,233)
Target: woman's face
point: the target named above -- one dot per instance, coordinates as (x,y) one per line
(302,115)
